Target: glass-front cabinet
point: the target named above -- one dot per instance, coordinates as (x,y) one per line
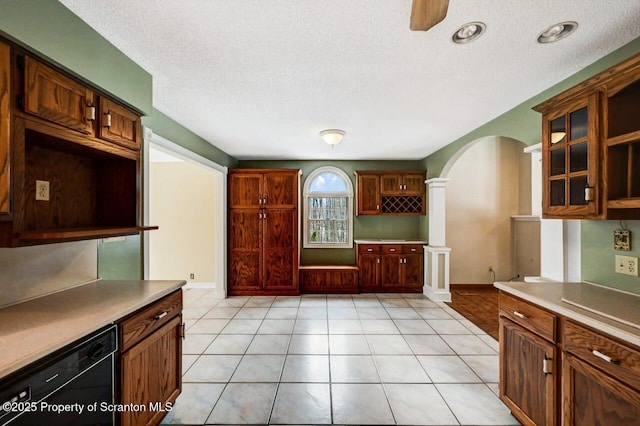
(570,159)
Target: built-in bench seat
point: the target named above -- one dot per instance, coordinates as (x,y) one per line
(328,279)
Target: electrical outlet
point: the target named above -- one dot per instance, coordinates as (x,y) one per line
(627,265)
(192,276)
(42,190)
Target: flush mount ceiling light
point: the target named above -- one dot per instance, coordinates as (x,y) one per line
(557,32)
(468,32)
(332,136)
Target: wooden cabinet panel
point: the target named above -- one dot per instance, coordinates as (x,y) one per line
(245,190)
(368,194)
(245,271)
(412,273)
(328,279)
(245,249)
(391,270)
(280,190)
(369,270)
(279,227)
(368,248)
(525,388)
(414,184)
(5,140)
(591,397)
(57,98)
(151,374)
(391,184)
(118,124)
(279,269)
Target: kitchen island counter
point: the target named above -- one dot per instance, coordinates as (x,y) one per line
(33,329)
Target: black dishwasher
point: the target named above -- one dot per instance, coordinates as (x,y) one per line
(73,386)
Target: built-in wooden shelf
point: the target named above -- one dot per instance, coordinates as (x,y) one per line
(53,235)
(623,139)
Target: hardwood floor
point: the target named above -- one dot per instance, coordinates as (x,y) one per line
(478,303)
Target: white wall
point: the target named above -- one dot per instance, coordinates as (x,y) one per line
(182,203)
(487,187)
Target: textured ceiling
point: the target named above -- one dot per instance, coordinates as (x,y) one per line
(260,79)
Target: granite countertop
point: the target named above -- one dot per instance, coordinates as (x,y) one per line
(390,241)
(33,329)
(613,312)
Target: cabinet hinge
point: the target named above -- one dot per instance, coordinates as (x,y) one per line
(183,331)
(20,62)
(547,365)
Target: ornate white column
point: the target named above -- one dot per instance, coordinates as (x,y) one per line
(436,254)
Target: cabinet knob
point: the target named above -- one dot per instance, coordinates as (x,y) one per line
(369,249)
(392,249)
(160,316)
(604,357)
(588,194)
(377,206)
(547,365)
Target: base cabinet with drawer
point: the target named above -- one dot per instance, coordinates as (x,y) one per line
(555,370)
(151,361)
(390,267)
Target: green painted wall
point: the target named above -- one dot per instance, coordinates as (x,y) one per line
(51,30)
(522,123)
(403,227)
(170,130)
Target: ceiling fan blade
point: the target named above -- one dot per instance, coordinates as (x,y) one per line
(427,13)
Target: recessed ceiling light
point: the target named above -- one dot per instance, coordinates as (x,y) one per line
(557,32)
(468,32)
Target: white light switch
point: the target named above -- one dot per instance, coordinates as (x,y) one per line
(42,190)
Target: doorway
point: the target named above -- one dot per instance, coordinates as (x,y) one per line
(184,194)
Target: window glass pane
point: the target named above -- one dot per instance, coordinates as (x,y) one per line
(557,192)
(576,191)
(579,122)
(558,130)
(328,182)
(578,160)
(557,162)
(327,220)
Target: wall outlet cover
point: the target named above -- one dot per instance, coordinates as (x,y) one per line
(627,265)
(622,239)
(42,190)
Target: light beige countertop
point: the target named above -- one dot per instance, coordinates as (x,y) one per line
(390,241)
(33,329)
(613,312)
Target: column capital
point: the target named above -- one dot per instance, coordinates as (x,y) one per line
(437,182)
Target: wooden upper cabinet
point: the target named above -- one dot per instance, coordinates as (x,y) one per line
(119,125)
(55,97)
(5,141)
(391,192)
(571,160)
(368,194)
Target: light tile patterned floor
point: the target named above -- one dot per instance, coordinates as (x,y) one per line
(335,359)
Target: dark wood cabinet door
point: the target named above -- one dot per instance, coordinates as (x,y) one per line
(413,184)
(412,271)
(279,236)
(5,104)
(281,190)
(368,194)
(391,274)
(245,249)
(527,390)
(391,184)
(369,270)
(151,375)
(245,190)
(119,125)
(591,397)
(57,98)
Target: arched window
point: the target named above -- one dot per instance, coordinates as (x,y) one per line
(328,209)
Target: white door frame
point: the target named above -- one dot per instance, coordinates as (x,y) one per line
(220,218)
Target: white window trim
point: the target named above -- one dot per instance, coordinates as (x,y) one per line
(349,194)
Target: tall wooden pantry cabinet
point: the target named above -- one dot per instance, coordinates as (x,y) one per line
(263,232)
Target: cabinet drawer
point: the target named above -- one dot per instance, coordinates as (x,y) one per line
(615,358)
(529,316)
(392,248)
(412,248)
(145,321)
(368,248)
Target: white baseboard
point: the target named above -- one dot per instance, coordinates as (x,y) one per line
(199,285)
(440,296)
